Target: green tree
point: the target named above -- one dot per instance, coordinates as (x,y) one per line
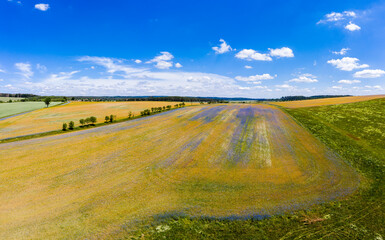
(71,125)
(47,101)
(111,118)
(87,121)
(64,127)
(82,121)
(93,120)
(106,119)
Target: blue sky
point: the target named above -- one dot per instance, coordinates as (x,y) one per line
(192,48)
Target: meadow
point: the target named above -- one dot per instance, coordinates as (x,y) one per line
(6,99)
(326,101)
(9,109)
(211,162)
(50,119)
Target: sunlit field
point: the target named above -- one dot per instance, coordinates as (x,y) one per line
(52,118)
(206,161)
(9,109)
(326,101)
(6,99)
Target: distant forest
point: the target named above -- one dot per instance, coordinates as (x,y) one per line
(33,97)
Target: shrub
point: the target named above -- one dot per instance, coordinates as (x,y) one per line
(64,127)
(71,125)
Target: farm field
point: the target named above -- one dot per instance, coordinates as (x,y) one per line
(326,101)
(9,109)
(49,119)
(205,161)
(6,99)
(355,131)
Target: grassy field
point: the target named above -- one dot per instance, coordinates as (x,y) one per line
(356,132)
(49,119)
(220,161)
(326,101)
(6,99)
(9,109)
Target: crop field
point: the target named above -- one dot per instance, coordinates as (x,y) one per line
(6,99)
(49,119)
(9,109)
(222,161)
(326,101)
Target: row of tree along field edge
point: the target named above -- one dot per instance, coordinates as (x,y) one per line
(92,122)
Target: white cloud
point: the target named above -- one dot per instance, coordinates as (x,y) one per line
(42,6)
(352,27)
(305,78)
(138,61)
(163,65)
(255,78)
(284,86)
(248,67)
(336,16)
(347,63)
(1,80)
(376,87)
(244,88)
(343,51)
(113,65)
(369,73)
(349,81)
(2,70)
(178,65)
(163,61)
(250,54)
(281,52)
(223,47)
(41,68)
(337,87)
(25,69)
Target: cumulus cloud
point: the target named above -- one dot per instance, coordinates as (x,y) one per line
(162,61)
(305,78)
(349,81)
(178,65)
(25,69)
(250,54)
(352,27)
(347,63)
(281,52)
(42,6)
(286,86)
(369,73)
(111,64)
(337,16)
(138,61)
(343,51)
(248,67)
(256,79)
(223,47)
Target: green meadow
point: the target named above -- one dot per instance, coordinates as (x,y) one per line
(9,109)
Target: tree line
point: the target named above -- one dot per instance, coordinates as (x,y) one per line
(91,121)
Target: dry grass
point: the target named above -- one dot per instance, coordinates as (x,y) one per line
(221,160)
(326,101)
(50,119)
